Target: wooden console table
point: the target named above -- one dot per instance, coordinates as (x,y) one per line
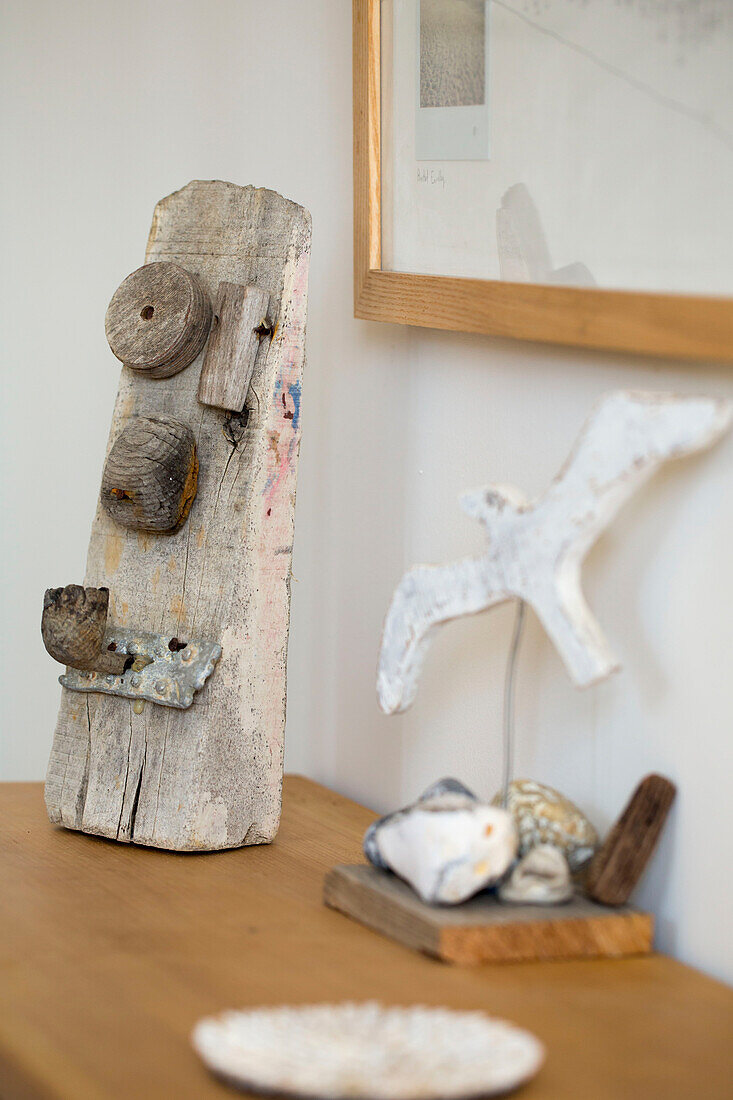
(109,954)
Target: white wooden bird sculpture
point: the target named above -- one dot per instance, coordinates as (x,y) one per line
(536,548)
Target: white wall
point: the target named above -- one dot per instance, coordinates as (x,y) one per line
(110,106)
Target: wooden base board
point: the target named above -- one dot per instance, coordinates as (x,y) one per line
(483,929)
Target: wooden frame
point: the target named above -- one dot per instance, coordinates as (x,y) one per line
(676,325)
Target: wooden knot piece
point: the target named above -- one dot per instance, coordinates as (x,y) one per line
(73,627)
(158,319)
(620,863)
(240,334)
(150,476)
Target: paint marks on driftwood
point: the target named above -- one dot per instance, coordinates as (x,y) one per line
(209,777)
(536,548)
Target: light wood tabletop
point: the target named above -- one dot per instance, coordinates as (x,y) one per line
(110,953)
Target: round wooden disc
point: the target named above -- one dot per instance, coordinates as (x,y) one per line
(158,319)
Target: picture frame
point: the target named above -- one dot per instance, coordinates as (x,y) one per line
(675,325)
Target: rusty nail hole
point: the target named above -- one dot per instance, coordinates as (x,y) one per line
(147,312)
(263,330)
(174,645)
(112,647)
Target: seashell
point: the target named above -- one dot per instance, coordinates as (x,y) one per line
(544,816)
(448,845)
(365,1051)
(541,877)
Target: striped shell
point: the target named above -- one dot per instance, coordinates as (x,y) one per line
(544,816)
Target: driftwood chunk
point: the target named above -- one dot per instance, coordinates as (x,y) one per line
(620,863)
(239,332)
(158,319)
(73,626)
(151,473)
(484,929)
(208,776)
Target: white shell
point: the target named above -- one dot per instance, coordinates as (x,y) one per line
(368,1051)
(448,845)
(542,877)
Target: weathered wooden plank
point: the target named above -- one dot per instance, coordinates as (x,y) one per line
(620,863)
(208,777)
(484,929)
(240,333)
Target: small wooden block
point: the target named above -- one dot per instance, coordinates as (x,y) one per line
(483,929)
(620,863)
(240,331)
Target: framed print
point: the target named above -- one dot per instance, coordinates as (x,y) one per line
(452,74)
(558,172)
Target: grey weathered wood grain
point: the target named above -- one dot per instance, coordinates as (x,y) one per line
(240,332)
(158,319)
(151,473)
(209,777)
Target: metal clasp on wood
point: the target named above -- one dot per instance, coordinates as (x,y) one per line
(117,660)
(240,333)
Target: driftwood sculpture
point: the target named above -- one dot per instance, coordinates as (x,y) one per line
(536,548)
(170,731)
(158,319)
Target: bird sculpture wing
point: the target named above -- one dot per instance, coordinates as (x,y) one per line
(536,549)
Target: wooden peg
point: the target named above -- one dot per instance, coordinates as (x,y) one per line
(150,476)
(158,319)
(620,863)
(240,332)
(73,627)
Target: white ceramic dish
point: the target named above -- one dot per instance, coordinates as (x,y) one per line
(368,1052)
